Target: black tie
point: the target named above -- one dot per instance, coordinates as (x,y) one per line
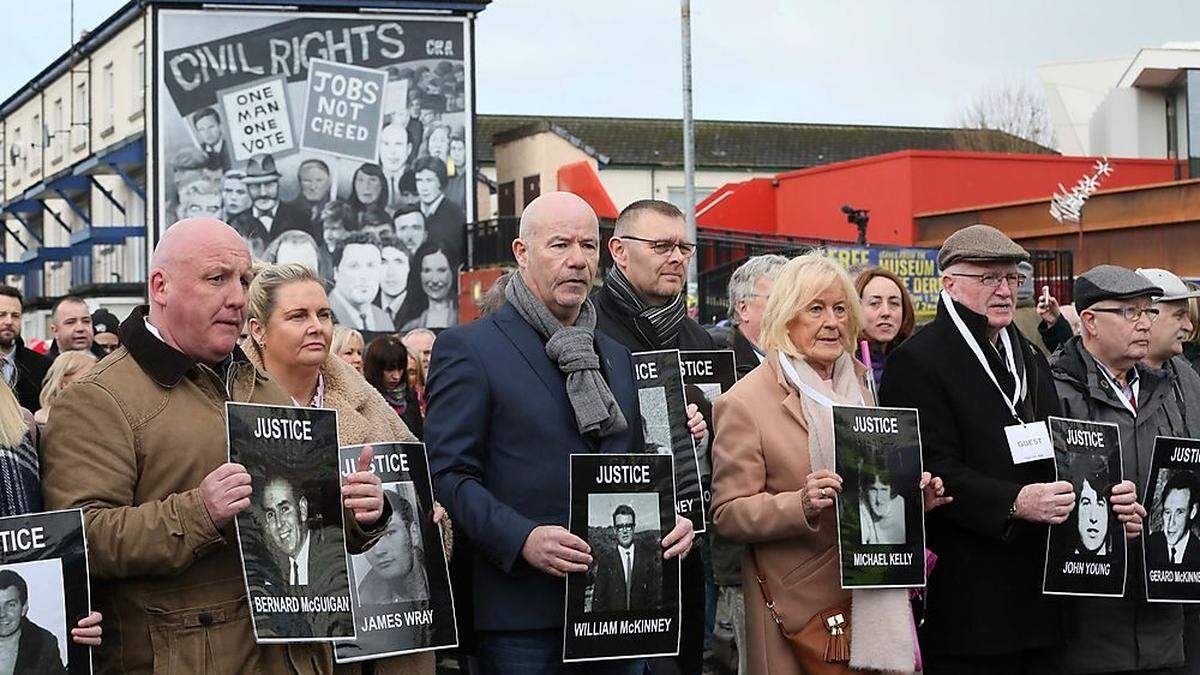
(295,573)
(1172,554)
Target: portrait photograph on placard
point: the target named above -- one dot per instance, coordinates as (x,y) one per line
(400,586)
(881,519)
(44,592)
(1086,554)
(353,157)
(661,398)
(1170,543)
(292,539)
(627,604)
(706,375)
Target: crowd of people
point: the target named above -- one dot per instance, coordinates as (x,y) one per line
(125,423)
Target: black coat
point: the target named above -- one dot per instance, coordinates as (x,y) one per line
(37,651)
(447,226)
(985,593)
(288,216)
(613,322)
(743,353)
(31,370)
(645,589)
(619,326)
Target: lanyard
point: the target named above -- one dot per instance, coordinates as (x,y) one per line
(1019,384)
(1112,382)
(822,400)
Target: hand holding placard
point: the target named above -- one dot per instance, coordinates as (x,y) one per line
(819,489)
(1045,502)
(225,492)
(554,550)
(1129,511)
(362,493)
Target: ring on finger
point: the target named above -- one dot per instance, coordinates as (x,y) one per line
(824,492)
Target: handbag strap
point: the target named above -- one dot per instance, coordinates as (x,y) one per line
(762,587)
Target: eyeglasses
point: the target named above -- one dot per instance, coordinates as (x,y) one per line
(665,246)
(623,527)
(1130,314)
(993,280)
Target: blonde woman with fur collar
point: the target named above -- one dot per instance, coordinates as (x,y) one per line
(774,485)
(290,327)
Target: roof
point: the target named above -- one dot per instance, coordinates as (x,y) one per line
(132,10)
(730,144)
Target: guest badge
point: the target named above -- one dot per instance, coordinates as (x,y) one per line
(1029,442)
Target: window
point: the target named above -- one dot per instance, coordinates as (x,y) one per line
(39,139)
(79,115)
(57,130)
(81,103)
(139,84)
(678,195)
(110,97)
(17,148)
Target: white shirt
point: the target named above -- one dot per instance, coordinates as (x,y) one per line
(427,210)
(1179,548)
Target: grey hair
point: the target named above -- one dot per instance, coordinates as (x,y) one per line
(742,281)
(268,279)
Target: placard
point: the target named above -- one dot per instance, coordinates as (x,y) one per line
(258,119)
(292,539)
(713,371)
(659,378)
(881,518)
(44,589)
(1086,554)
(1170,544)
(343,109)
(400,586)
(627,604)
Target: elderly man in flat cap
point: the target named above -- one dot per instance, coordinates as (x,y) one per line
(1100,375)
(977,382)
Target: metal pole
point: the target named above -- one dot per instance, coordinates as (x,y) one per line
(689,152)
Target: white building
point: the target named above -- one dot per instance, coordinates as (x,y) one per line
(1129,107)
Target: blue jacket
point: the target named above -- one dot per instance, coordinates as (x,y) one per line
(500,431)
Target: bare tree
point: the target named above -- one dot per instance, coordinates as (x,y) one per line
(1018,110)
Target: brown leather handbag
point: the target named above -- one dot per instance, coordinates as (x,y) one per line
(822,645)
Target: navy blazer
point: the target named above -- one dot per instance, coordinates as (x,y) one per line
(500,431)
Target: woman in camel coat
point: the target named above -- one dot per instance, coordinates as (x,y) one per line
(774,485)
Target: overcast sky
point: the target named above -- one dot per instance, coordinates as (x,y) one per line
(916,62)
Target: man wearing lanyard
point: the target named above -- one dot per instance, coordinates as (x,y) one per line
(1099,377)
(977,381)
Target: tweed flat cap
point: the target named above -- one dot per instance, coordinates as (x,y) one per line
(1110,282)
(982,243)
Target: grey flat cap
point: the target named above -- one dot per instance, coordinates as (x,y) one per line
(981,243)
(1173,287)
(1110,282)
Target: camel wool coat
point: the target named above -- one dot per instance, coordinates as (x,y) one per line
(760,463)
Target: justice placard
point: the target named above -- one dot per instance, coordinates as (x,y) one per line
(1086,554)
(881,519)
(627,604)
(659,380)
(401,585)
(292,542)
(1170,545)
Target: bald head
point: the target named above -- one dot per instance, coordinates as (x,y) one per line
(555,208)
(187,236)
(199,274)
(558,251)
